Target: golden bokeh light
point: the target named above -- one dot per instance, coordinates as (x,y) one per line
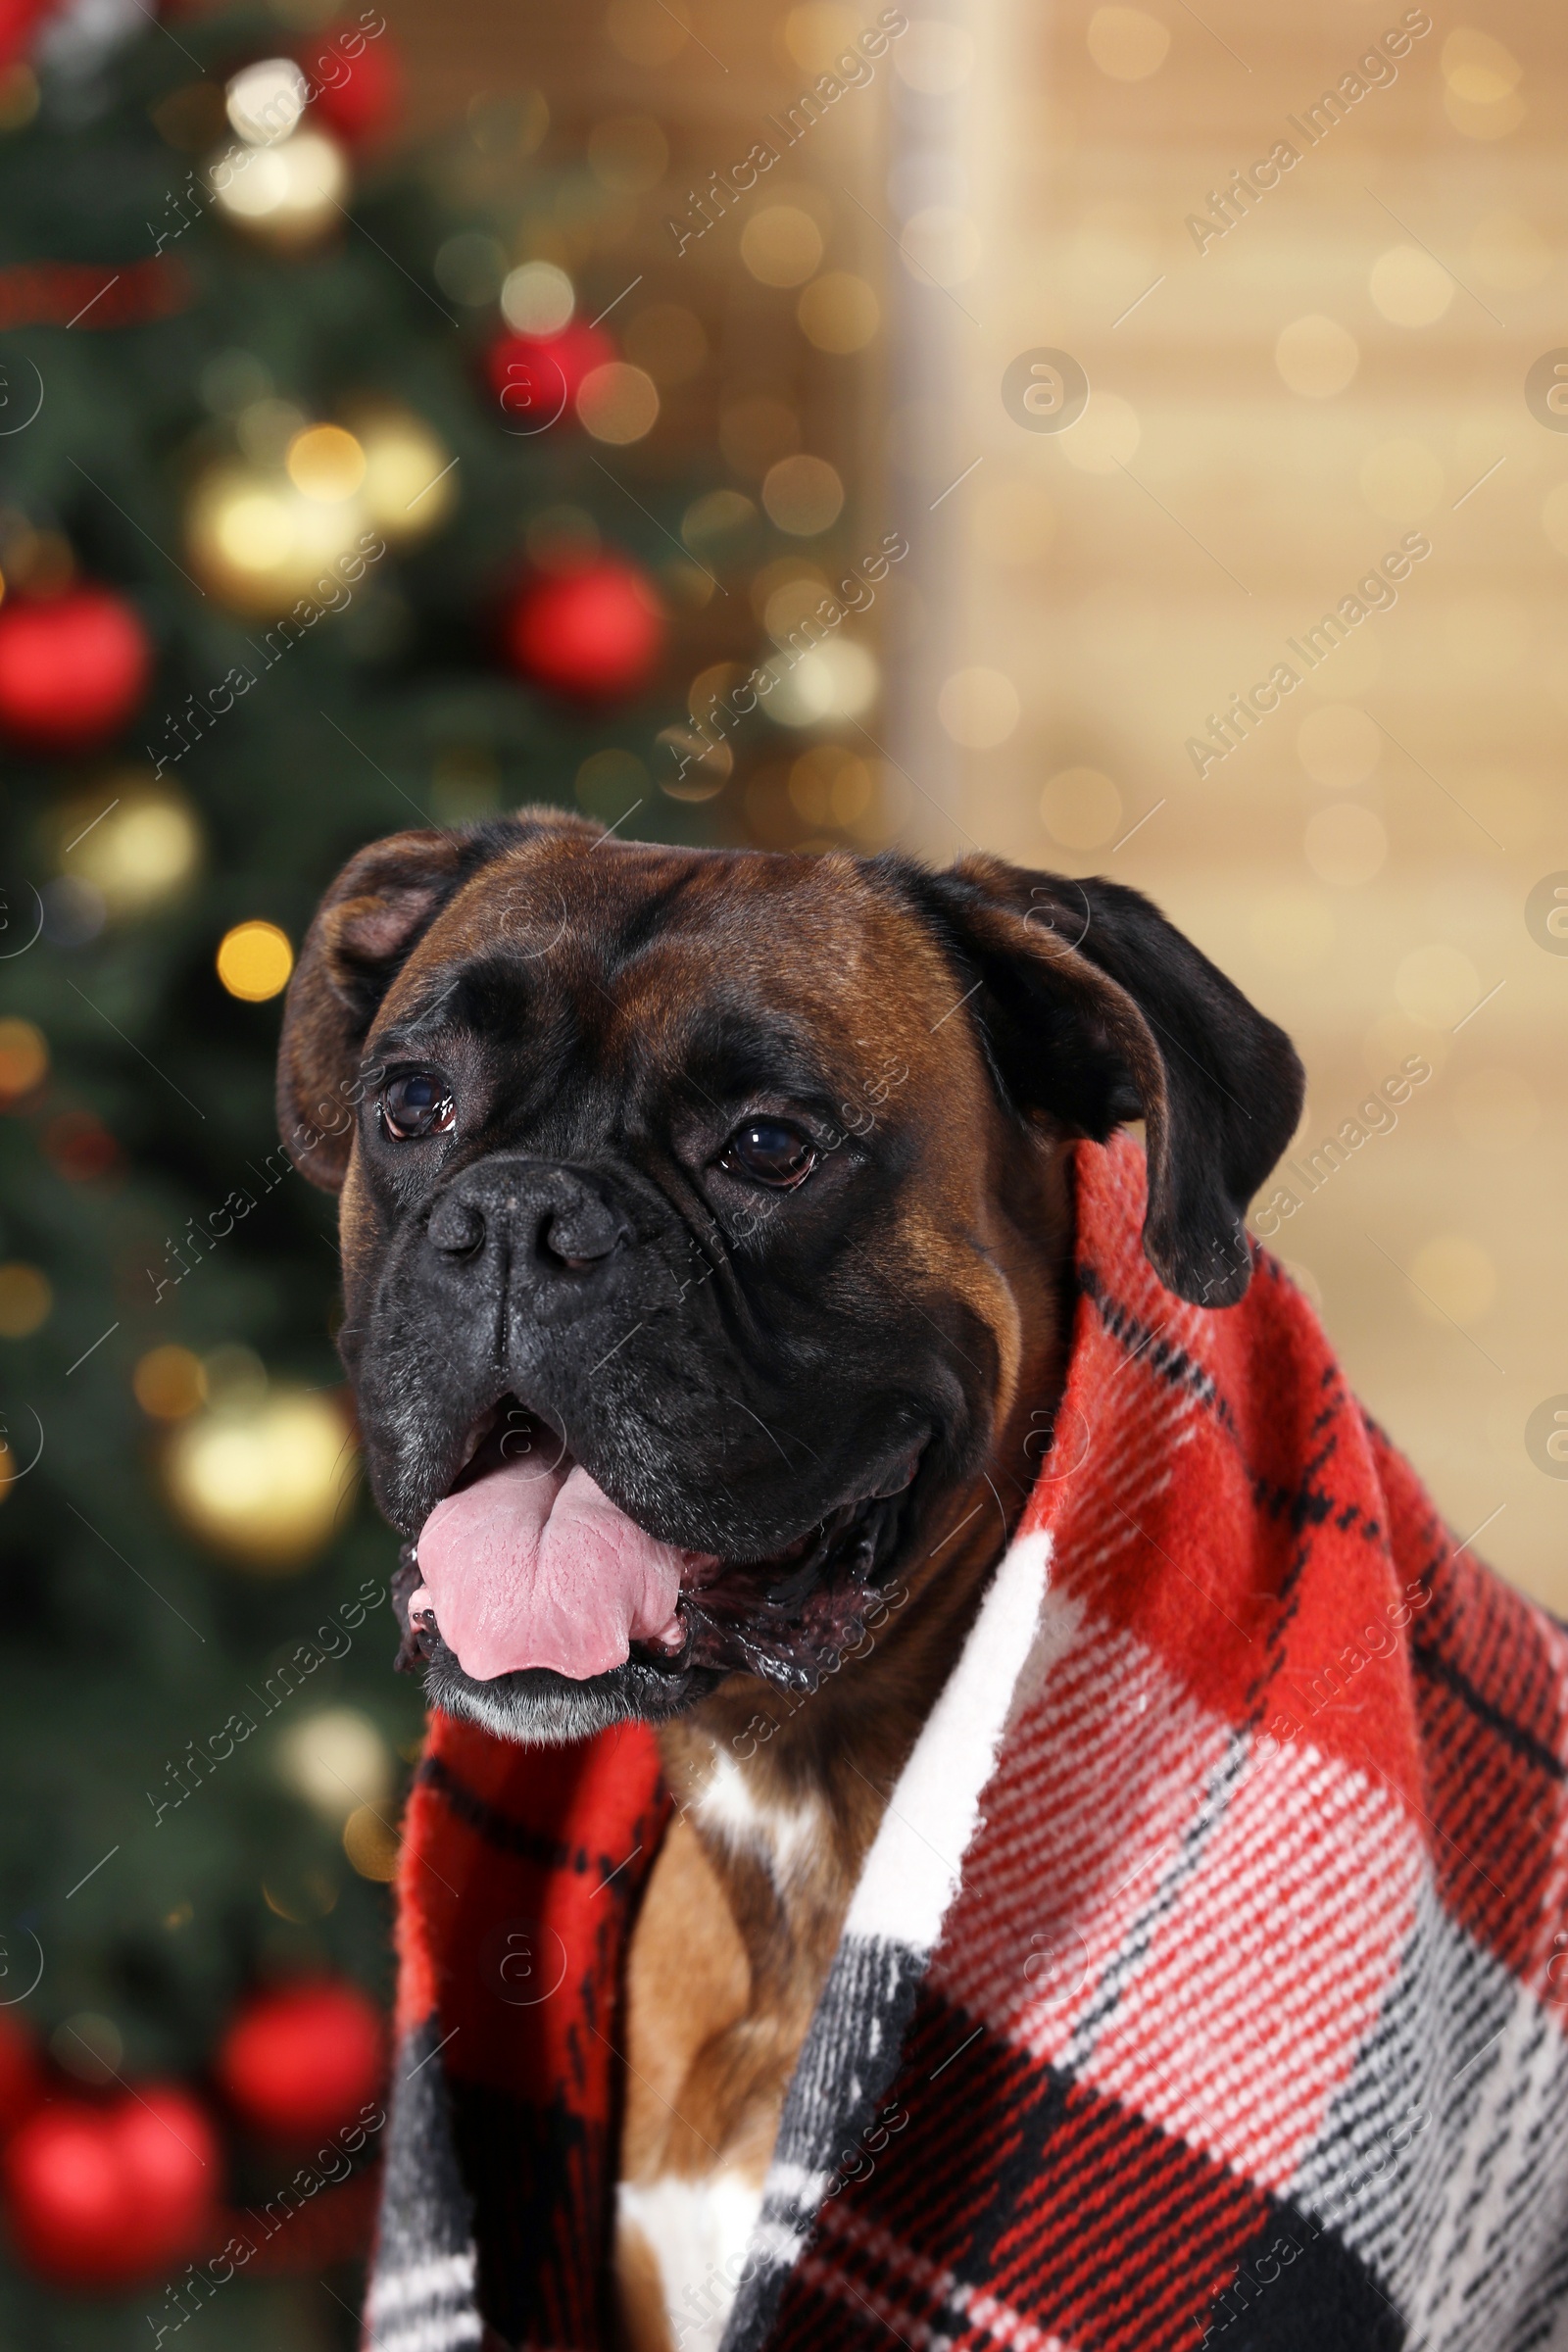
(819,31)
(24,1058)
(617,403)
(25,1299)
(1081,807)
(337,1760)
(288,195)
(1127,43)
(411,480)
(1316,356)
(262,1481)
(140,852)
(371,1842)
(1409,287)
(169,1382)
(645,32)
(979,707)
(830,786)
(717,518)
(253,961)
(839,311)
(781,245)
(1106,436)
(325,463)
(537,299)
(803,494)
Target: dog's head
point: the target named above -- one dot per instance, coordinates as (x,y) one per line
(686,1202)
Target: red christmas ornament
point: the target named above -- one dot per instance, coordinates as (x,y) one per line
(358,95)
(21,2076)
(19,21)
(72,669)
(536,378)
(595,635)
(303,2061)
(104,2196)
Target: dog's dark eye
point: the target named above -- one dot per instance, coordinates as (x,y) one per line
(769,1152)
(417,1105)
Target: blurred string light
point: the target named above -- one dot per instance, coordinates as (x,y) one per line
(617,403)
(284,183)
(839,311)
(1481,85)
(336,1760)
(1127,45)
(266,101)
(134,843)
(645,32)
(839,680)
(290,195)
(313,497)
(1081,807)
(169,1382)
(261,1478)
(26,1300)
(803,494)
(253,961)
(537,299)
(1315,356)
(978,707)
(781,245)
(23,1059)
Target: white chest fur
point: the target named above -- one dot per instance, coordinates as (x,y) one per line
(697,2232)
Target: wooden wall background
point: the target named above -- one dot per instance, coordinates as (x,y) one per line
(1268,417)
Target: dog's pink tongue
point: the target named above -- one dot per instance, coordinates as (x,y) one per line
(525,1569)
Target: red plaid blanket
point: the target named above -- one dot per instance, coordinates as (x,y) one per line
(1231,2008)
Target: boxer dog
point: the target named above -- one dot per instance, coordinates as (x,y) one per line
(705,1251)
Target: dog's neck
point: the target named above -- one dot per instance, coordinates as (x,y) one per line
(778,1797)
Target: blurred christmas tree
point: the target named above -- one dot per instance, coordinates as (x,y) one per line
(310,528)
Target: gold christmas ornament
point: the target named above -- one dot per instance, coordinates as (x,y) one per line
(265,1480)
(141,846)
(289,194)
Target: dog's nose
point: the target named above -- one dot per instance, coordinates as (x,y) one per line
(553,1217)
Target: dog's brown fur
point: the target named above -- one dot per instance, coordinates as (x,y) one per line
(1087,1007)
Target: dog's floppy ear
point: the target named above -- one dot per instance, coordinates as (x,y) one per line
(364,930)
(1095,1008)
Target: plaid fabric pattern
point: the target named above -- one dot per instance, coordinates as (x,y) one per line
(1208,1980)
